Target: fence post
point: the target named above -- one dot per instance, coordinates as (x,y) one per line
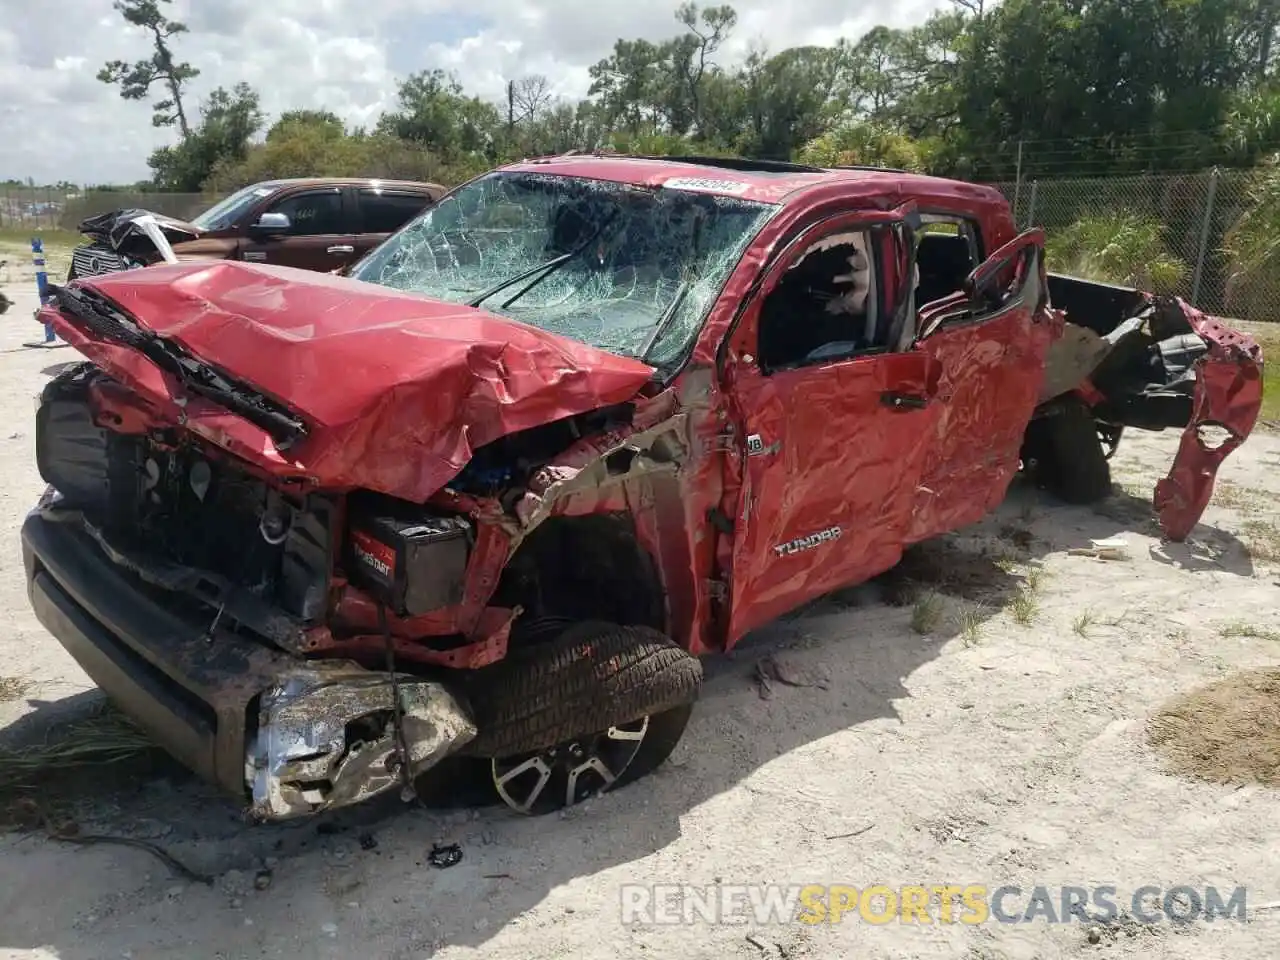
(1031,206)
(1017,185)
(42,283)
(1209,199)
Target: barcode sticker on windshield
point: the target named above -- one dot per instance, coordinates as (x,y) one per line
(706,186)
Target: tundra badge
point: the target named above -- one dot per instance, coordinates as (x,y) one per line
(807,542)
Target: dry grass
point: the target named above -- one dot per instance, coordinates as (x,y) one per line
(104,737)
(1234,496)
(1268,337)
(969,622)
(1262,540)
(1035,578)
(1249,630)
(15,247)
(1227,732)
(1085,622)
(926,613)
(1024,607)
(14,688)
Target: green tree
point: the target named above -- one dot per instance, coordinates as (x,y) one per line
(626,84)
(1123,247)
(1072,87)
(229,119)
(690,55)
(433,110)
(136,79)
(866,144)
(787,99)
(308,119)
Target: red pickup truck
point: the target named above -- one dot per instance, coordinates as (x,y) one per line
(494,493)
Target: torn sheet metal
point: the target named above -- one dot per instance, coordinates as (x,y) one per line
(326,738)
(1070,360)
(1227,401)
(118,227)
(400,389)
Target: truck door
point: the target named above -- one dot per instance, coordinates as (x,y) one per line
(383,211)
(319,233)
(991,340)
(834,422)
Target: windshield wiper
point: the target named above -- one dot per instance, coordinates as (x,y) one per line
(664,321)
(105,319)
(523,275)
(543,270)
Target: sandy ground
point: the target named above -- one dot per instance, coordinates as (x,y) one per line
(1006,745)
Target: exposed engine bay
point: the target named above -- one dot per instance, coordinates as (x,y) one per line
(502,469)
(269,565)
(187,517)
(184,520)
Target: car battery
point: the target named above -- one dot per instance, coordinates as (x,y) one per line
(411,561)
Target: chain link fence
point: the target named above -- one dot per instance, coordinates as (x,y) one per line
(1212,237)
(43,209)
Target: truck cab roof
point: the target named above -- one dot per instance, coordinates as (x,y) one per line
(766,181)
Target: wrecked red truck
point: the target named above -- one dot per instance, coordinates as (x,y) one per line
(493,494)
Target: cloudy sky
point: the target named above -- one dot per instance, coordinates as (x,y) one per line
(60,123)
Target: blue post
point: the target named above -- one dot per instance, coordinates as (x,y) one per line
(42,282)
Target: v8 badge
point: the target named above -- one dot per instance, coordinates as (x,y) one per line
(756,447)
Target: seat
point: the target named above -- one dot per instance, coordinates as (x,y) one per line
(944,263)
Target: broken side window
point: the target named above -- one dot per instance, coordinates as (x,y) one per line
(827,304)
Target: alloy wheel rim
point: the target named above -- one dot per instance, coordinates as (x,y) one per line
(545,781)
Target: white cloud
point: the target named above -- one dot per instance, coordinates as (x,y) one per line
(59,122)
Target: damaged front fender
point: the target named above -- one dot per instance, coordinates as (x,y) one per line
(326,737)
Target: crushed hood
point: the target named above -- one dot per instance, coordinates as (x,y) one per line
(397,390)
(117,227)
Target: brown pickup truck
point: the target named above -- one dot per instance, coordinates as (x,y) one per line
(314,224)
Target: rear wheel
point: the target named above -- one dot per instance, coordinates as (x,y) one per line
(596,708)
(1063,453)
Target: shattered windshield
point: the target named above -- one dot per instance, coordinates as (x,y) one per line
(626,269)
(228,211)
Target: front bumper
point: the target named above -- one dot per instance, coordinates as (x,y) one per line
(288,736)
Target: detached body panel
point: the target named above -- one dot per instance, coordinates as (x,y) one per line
(1156,363)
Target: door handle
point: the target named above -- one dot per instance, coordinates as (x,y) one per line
(904,401)
(342,248)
